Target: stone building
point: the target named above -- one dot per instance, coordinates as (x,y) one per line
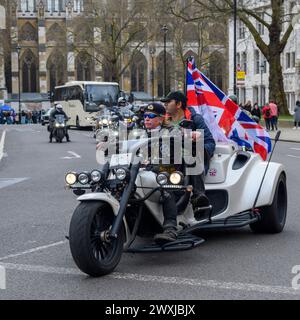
(42,52)
(250,60)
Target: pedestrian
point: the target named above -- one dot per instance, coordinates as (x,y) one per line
(248,106)
(256,113)
(297,115)
(274,115)
(266,111)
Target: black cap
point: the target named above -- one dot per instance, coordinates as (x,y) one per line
(175,95)
(156,108)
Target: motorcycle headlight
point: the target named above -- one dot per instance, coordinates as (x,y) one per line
(56,125)
(71,178)
(162,178)
(105,122)
(176,178)
(83,178)
(100,122)
(121,174)
(96,176)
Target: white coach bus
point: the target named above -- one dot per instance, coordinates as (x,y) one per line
(81,99)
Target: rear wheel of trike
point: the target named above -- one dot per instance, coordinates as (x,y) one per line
(92,252)
(273,217)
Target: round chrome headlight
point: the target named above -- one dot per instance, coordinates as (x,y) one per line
(83,178)
(176,178)
(71,178)
(96,176)
(121,174)
(162,178)
(105,122)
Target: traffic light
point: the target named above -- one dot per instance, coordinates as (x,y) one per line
(50,96)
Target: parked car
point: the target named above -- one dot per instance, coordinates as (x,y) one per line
(45,117)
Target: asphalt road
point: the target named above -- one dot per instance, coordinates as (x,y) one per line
(35,212)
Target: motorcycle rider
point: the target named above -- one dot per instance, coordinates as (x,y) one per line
(58,110)
(177,110)
(154,119)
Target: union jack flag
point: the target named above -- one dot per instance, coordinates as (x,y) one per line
(208,99)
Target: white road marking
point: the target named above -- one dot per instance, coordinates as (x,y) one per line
(6,182)
(213,284)
(74,154)
(291,156)
(2,144)
(33,250)
(297,149)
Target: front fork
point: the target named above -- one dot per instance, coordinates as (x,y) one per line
(117,224)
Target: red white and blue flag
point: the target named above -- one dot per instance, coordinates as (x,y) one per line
(217,108)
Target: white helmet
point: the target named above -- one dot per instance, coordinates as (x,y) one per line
(59,107)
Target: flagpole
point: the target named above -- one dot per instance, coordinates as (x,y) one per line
(185,75)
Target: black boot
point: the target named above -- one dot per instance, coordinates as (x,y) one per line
(169,235)
(199,200)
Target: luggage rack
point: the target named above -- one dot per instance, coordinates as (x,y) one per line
(184,241)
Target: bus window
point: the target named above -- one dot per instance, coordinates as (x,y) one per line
(75,93)
(101,94)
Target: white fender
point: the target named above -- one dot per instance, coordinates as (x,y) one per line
(108,198)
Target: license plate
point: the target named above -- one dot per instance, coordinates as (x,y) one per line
(122,159)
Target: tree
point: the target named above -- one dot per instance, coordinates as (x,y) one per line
(278,21)
(119,33)
(199,32)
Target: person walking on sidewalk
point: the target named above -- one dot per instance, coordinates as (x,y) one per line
(255,112)
(297,115)
(274,114)
(266,111)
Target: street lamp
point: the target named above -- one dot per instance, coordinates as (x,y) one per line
(152,53)
(262,68)
(19,82)
(165,30)
(234,45)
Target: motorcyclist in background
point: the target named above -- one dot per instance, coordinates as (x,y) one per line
(58,110)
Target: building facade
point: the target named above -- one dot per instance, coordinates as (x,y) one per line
(43,54)
(255,87)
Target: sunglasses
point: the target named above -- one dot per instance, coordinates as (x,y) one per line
(150,116)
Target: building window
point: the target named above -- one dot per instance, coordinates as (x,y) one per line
(263,93)
(56,67)
(84,66)
(160,68)
(259,26)
(27,5)
(238,61)
(255,95)
(139,73)
(29,72)
(287,60)
(244,62)
(256,62)
(78,5)
(242,30)
(293,60)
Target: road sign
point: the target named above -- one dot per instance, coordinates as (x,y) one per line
(240,78)
(241,75)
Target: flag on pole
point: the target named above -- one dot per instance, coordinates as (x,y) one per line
(220,112)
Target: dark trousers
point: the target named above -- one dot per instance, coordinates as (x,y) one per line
(169,209)
(274,121)
(297,124)
(268,123)
(51,133)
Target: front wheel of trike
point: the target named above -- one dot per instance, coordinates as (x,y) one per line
(92,252)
